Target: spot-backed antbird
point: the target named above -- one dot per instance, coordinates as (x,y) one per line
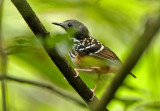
(88,54)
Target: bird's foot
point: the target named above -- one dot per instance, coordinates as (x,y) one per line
(85,70)
(92,95)
(93,90)
(77,74)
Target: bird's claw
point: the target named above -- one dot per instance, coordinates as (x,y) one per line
(77,74)
(92,95)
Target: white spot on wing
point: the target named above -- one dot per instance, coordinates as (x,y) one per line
(92,45)
(87,47)
(81,49)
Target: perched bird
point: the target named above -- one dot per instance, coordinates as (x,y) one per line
(87,53)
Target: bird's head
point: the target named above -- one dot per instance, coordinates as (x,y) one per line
(74,28)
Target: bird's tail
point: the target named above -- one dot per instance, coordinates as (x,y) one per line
(133,75)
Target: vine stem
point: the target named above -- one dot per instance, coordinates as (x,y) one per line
(151,29)
(3,60)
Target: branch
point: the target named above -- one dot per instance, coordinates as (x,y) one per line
(43,85)
(65,68)
(3,61)
(152,27)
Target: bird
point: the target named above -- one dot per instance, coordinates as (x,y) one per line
(88,54)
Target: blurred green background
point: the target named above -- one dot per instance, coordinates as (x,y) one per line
(116,23)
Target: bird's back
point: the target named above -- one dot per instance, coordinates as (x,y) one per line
(90,53)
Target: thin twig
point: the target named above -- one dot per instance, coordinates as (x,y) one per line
(152,27)
(3,61)
(38,29)
(43,85)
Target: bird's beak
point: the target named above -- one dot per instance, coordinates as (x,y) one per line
(59,24)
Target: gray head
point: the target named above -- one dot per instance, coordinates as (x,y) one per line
(74,28)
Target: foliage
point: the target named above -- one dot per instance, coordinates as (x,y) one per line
(117,24)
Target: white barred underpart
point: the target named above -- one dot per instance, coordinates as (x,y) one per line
(71,55)
(75,40)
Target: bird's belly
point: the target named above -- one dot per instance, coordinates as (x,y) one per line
(96,65)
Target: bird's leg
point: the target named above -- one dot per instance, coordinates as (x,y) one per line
(76,73)
(85,70)
(96,83)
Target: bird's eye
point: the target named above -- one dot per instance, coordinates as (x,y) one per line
(69,25)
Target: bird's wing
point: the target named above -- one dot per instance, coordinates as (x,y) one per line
(105,53)
(93,48)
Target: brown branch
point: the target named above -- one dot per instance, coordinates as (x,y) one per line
(43,85)
(67,71)
(152,27)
